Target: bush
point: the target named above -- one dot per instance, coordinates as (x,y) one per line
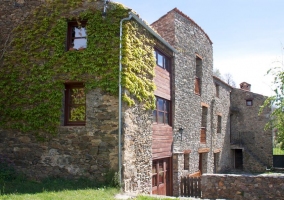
(7,170)
(112,179)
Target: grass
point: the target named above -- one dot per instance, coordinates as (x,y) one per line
(20,189)
(278,151)
(84,194)
(14,186)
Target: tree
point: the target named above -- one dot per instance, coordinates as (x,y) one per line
(217,73)
(277,102)
(228,78)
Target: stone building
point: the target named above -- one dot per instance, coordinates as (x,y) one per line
(216,127)
(200,123)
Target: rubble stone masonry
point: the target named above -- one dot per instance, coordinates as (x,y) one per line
(240,187)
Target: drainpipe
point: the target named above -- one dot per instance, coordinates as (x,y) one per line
(120,101)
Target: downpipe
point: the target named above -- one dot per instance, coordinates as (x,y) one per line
(120,102)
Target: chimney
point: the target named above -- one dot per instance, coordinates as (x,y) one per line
(245,86)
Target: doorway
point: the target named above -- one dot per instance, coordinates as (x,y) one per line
(161,176)
(238,159)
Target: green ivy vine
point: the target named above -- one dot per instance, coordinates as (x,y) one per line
(37,65)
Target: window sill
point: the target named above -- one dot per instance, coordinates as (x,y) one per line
(73,49)
(72,126)
(157,124)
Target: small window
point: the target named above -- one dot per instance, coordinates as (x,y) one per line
(203,124)
(161,113)
(249,102)
(162,61)
(76,36)
(217,87)
(219,123)
(198,75)
(75,104)
(186,161)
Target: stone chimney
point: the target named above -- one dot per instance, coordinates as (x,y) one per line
(245,86)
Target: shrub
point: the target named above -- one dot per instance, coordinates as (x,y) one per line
(7,170)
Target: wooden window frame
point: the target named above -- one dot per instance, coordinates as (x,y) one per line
(203,135)
(68,105)
(166,60)
(186,161)
(72,24)
(166,110)
(203,124)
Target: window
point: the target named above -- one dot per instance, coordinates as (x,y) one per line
(76,36)
(217,90)
(219,122)
(249,102)
(198,75)
(203,124)
(186,161)
(162,61)
(161,113)
(75,104)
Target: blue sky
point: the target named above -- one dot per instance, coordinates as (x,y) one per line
(247,35)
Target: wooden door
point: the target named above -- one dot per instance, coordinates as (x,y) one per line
(161,171)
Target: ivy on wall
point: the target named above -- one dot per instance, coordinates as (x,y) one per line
(37,65)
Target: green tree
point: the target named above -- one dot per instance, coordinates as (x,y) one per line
(276,102)
(217,73)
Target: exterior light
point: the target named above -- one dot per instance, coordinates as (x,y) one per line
(178,136)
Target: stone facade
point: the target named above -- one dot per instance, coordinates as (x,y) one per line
(252,187)
(137,149)
(92,150)
(212,109)
(248,131)
(221,139)
(191,41)
(88,151)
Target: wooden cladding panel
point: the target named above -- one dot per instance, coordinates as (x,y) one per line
(197,86)
(163,83)
(203,135)
(162,141)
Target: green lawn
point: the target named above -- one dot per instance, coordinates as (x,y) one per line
(59,189)
(86,194)
(49,189)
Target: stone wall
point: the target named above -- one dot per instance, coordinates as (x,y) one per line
(137,149)
(82,151)
(188,39)
(221,140)
(248,131)
(252,187)
(89,151)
